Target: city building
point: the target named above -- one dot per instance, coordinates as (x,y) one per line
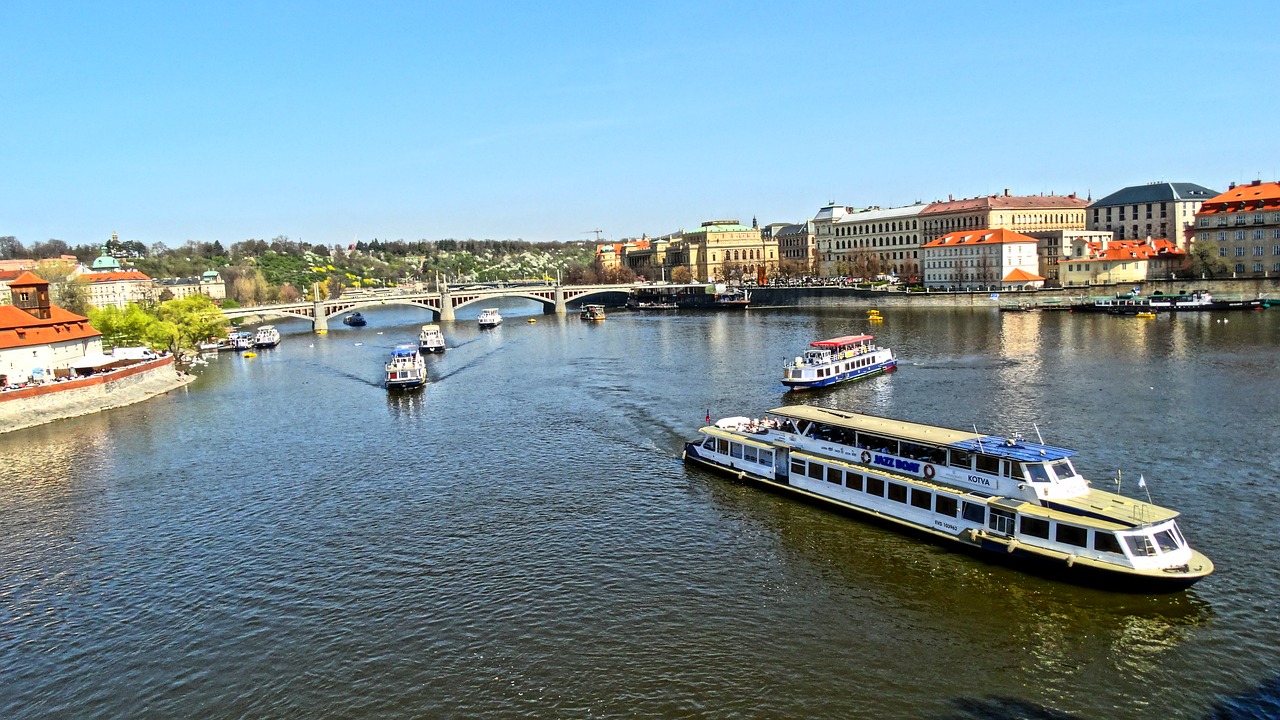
(796,243)
(1244,224)
(1088,262)
(874,241)
(823,231)
(39,340)
(1054,244)
(991,259)
(109,285)
(725,250)
(1157,210)
(209,284)
(1020,213)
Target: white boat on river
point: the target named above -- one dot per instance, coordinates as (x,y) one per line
(827,362)
(1023,501)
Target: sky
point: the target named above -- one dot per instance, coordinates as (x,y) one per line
(329,122)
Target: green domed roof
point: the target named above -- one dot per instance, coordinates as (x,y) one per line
(105,262)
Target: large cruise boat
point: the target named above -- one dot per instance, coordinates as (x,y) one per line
(406,369)
(1023,501)
(266,337)
(489,318)
(431,339)
(828,362)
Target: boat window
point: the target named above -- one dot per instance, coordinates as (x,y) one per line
(988,464)
(1177,535)
(945,505)
(961,458)
(735,450)
(748,453)
(1038,473)
(1106,542)
(1063,469)
(797,467)
(1072,535)
(1140,545)
(815,471)
(897,493)
(722,446)
(973,512)
(875,486)
(1166,541)
(1034,527)
(766,457)
(853,481)
(1001,521)
(834,476)
(922,499)
(878,443)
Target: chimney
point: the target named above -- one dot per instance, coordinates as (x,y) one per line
(1006,192)
(1256,183)
(951,199)
(1232,186)
(1072,196)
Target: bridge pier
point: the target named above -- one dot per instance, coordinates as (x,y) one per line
(558,294)
(319,321)
(446,304)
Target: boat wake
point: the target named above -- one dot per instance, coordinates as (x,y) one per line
(969,362)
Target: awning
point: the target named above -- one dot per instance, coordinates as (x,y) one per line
(96,360)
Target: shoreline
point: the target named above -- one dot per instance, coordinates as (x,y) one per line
(43,404)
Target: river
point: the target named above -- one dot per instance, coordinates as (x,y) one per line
(520,539)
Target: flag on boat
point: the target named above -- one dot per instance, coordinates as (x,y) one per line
(1142,481)
(708,414)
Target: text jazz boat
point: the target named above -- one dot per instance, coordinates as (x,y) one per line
(406,369)
(266,337)
(592,312)
(431,339)
(828,362)
(1023,501)
(490,318)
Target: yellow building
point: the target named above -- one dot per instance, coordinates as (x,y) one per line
(725,250)
(1119,261)
(1019,213)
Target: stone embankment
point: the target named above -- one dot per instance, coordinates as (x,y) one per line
(42,404)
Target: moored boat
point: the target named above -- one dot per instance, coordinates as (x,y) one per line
(355,319)
(266,337)
(827,362)
(1017,500)
(241,340)
(490,318)
(406,369)
(431,339)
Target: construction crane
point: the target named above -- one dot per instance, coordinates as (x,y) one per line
(597,232)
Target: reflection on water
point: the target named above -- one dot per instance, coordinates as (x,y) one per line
(520,539)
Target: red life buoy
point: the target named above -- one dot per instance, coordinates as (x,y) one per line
(866,456)
(929,471)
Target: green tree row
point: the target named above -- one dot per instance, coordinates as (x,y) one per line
(175,325)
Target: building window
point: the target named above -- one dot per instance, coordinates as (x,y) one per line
(1257,251)
(1239,267)
(1222,252)
(1257,267)
(1240,251)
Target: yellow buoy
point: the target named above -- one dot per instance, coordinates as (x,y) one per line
(532,320)
(251,354)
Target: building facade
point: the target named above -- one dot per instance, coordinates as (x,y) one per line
(1020,213)
(1156,210)
(796,243)
(1244,223)
(209,284)
(981,260)
(874,241)
(1088,262)
(39,340)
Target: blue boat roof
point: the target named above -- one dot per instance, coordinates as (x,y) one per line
(404,352)
(1018,450)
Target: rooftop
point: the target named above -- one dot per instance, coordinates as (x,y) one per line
(1156,192)
(1007,202)
(979,237)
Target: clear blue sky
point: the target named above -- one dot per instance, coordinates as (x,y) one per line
(326,121)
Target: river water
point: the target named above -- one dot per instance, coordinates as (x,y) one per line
(284,538)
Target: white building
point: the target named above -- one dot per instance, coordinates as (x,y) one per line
(37,339)
(874,241)
(996,259)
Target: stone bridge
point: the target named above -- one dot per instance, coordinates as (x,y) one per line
(554,299)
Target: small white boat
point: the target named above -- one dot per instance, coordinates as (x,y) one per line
(490,318)
(406,369)
(266,337)
(431,339)
(241,340)
(827,362)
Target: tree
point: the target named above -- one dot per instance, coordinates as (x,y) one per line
(681,274)
(11,248)
(51,249)
(1206,260)
(289,293)
(73,296)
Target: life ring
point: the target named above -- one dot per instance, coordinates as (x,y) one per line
(866,456)
(929,471)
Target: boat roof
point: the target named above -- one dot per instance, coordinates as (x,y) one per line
(431,327)
(996,445)
(404,352)
(840,341)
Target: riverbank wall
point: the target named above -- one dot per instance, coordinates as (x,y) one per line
(821,295)
(40,404)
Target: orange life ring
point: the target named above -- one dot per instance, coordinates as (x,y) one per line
(929,471)
(866,456)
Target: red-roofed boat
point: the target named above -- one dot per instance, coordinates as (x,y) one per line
(827,362)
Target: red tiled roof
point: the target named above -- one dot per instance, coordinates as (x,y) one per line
(1020,275)
(979,237)
(27,279)
(1244,197)
(1008,202)
(7,275)
(1120,250)
(113,276)
(20,329)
